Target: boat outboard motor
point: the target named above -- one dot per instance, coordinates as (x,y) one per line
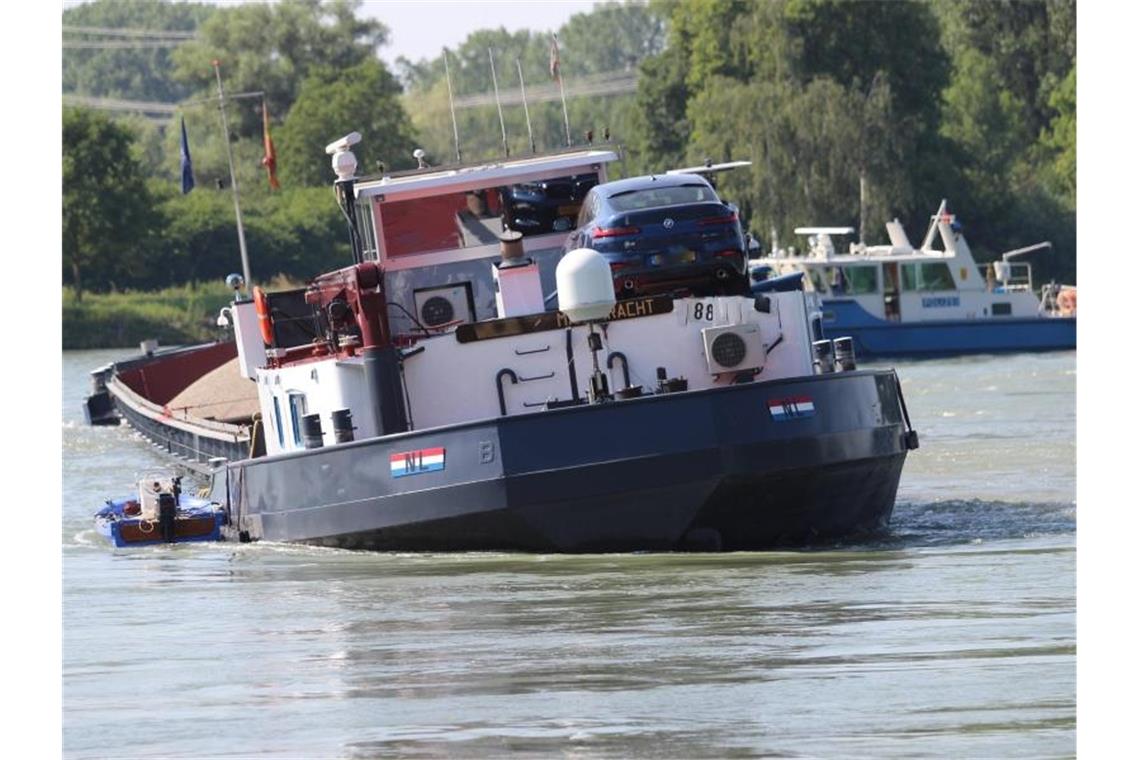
(845,354)
(167,510)
(311,431)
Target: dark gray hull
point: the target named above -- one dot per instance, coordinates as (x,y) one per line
(713,469)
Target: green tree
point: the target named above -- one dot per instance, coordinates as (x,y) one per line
(120,66)
(274,47)
(365,99)
(852,71)
(109,215)
(1061,139)
(612,37)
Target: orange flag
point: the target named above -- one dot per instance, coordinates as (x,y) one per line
(269,161)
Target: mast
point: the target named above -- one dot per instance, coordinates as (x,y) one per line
(495,82)
(526,110)
(451,102)
(233,177)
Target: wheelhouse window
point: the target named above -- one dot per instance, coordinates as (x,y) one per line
(477,217)
(298,408)
(367,230)
(927,276)
(277,422)
(852,280)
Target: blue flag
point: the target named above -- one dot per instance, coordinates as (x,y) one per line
(187,168)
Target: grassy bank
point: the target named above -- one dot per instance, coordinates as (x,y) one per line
(185,314)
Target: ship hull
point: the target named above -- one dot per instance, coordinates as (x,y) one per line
(883,338)
(137,391)
(752,466)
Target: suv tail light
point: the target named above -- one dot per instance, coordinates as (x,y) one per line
(604,232)
(729,219)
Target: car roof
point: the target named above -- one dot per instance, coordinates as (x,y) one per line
(610,189)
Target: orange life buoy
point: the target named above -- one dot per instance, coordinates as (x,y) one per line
(1067,301)
(261,305)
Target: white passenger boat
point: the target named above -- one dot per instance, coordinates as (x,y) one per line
(934,299)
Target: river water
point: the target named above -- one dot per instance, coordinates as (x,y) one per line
(952,636)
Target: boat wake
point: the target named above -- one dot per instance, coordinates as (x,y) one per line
(963,521)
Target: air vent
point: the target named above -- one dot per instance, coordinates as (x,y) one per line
(734,348)
(444,305)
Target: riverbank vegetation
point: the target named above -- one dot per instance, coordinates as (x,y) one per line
(912,102)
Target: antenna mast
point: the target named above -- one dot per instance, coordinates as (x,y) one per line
(233,176)
(526,110)
(495,81)
(451,102)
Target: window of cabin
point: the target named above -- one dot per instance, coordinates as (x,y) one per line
(1002,309)
(477,217)
(277,422)
(818,283)
(927,276)
(298,408)
(367,230)
(852,280)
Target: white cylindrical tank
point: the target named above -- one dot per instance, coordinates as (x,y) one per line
(585,285)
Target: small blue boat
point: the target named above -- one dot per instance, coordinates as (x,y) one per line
(160,514)
(898,300)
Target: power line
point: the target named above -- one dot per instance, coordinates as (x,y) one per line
(122,44)
(117,104)
(126,32)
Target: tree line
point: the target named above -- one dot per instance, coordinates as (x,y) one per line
(910,101)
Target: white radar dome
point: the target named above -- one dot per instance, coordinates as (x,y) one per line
(585,285)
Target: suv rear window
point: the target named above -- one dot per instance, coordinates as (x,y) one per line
(654,197)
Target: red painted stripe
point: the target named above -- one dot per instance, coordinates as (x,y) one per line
(403,455)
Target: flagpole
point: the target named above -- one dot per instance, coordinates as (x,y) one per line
(233,177)
(556,70)
(526,110)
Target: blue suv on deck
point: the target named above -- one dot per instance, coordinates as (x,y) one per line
(666,233)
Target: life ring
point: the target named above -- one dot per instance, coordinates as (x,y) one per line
(1067,301)
(261,305)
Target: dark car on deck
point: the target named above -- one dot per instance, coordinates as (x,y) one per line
(664,234)
(550,205)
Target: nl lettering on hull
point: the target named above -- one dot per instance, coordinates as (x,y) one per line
(417,462)
(784,409)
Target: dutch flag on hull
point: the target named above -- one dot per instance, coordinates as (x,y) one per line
(417,462)
(794,407)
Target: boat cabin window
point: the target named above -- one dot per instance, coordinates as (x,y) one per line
(852,280)
(927,276)
(818,284)
(367,230)
(477,217)
(277,422)
(297,409)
